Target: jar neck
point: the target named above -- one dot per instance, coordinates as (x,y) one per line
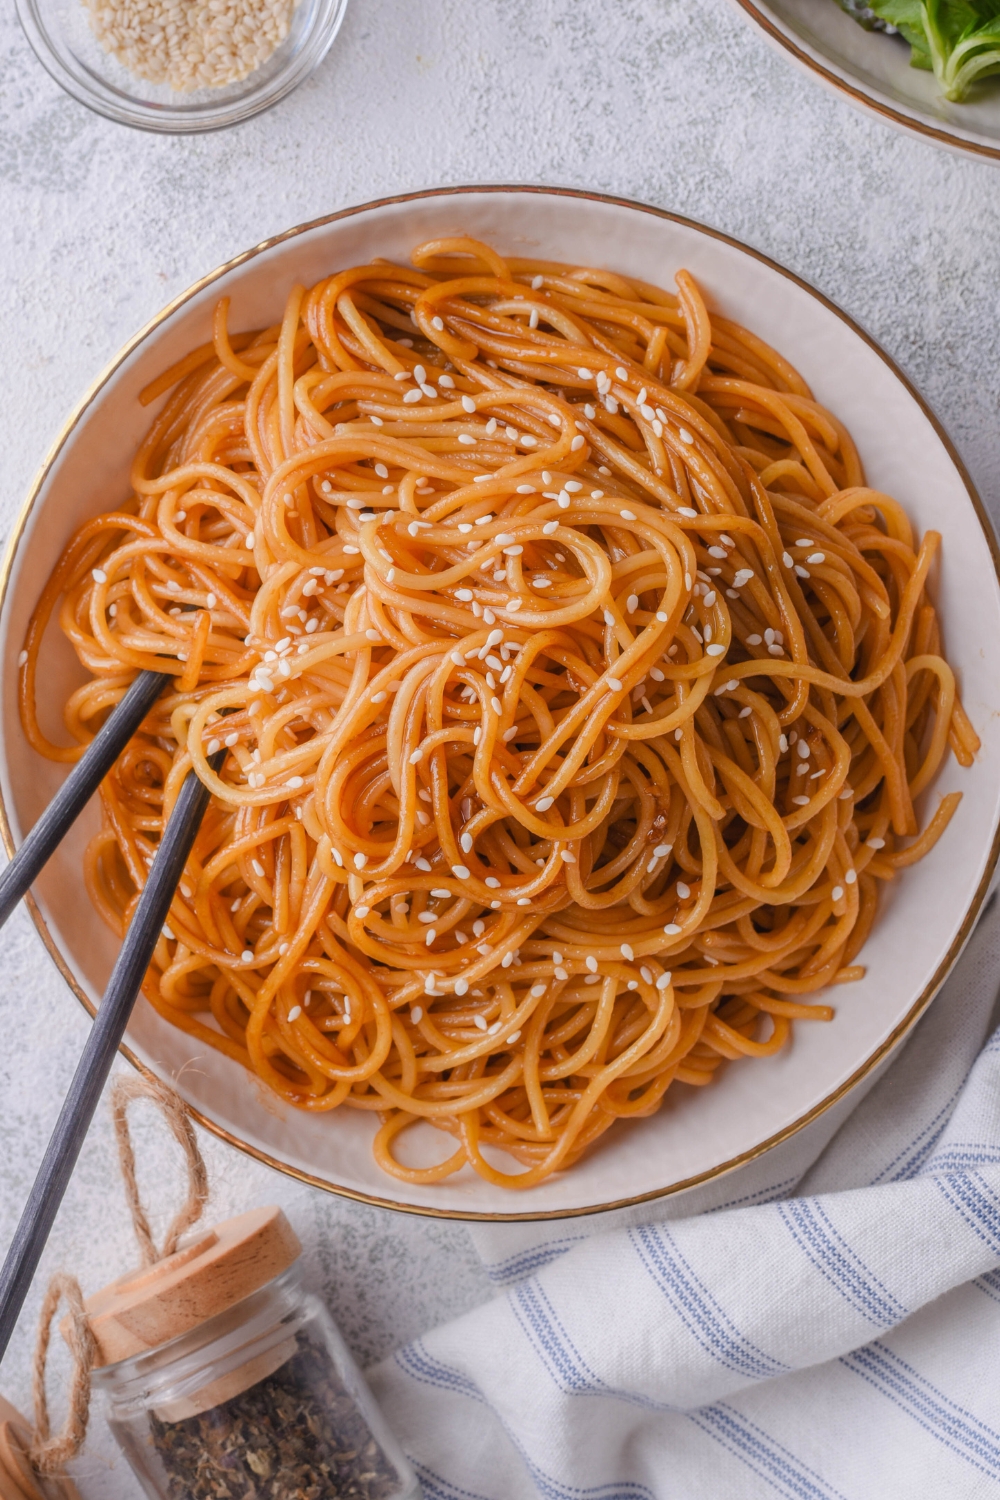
(171,1374)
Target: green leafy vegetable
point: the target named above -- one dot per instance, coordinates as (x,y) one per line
(958,39)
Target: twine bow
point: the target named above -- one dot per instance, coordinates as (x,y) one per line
(49,1454)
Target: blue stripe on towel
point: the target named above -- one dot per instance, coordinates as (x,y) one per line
(417,1362)
(698,1310)
(942,1418)
(526,1262)
(809,1225)
(990,1284)
(974,1200)
(910,1161)
(782,1470)
(569,1370)
(436,1487)
(959,1156)
(762,1195)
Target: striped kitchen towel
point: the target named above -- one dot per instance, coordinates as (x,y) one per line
(823,1325)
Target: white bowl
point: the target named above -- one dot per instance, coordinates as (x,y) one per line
(873,70)
(924,920)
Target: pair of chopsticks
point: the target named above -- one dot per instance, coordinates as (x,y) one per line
(127,975)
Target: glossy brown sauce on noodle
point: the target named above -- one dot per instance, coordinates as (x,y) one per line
(576,691)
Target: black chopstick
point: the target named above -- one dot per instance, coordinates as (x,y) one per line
(98,1054)
(78,788)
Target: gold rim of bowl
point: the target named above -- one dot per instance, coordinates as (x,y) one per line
(927,993)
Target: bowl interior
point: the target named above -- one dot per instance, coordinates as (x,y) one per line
(923,919)
(878,67)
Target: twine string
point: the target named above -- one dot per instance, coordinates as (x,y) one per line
(124,1091)
(49,1454)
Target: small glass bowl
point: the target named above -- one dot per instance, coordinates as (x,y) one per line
(60,35)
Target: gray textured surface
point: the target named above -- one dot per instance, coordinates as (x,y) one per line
(678,103)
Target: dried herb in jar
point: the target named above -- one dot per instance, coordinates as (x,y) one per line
(296,1435)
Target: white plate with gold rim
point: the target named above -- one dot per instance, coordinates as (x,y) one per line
(924,919)
(872,69)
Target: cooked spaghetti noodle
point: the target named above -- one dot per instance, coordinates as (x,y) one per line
(576,692)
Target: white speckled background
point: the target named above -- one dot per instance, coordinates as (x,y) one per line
(676,102)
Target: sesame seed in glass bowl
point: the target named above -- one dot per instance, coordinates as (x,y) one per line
(180,66)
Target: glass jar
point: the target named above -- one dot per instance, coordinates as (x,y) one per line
(62,40)
(260,1400)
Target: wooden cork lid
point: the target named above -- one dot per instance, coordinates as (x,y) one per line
(217,1268)
(18,1480)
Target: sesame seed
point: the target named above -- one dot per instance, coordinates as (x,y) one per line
(786,558)
(800,801)
(683,890)
(295,1012)
(536,282)
(850,877)
(876,843)
(360,860)
(837,894)
(626,952)
(614,683)
(717,552)
(468,404)
(247,955)
(717,650)
(411,396)
(567,856)
(816,558)
(460,872)
(22,658)
(98,575)
(671,929)
(664,980)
